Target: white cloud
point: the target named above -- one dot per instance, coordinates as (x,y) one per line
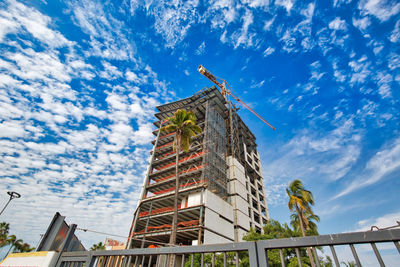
(268,51)
(382,9)
(222,13)
(242,37)
(395,35)
(338,24)
(384,221)
(107,34)
(201,49)
(62,147)
(257,85)
(327,157)
(268,24)
(173,19)
(19,16)
(361,70)
(362,23)
(287,4)
(378,166)
(111,72)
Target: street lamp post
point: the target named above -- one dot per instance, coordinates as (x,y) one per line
(12,196)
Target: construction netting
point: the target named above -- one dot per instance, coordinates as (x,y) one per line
(215,145)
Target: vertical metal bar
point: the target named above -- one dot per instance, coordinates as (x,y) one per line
(150,258)
(262,255)
(166,260)
(157,261)
(119,261)
(283,264)
(237,258)
(143,257)
(377,254)
(298,257)
(224,259)
(213,260)
(192,261)
(353,250)
(173,259)
(128,262)
(335,258)
(112,258)
(147,225)
(254,260)
(183,260)
(136,260)
(202,260)
(316,256)
(104,262)
(396,243)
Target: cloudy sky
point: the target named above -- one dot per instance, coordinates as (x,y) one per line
(80,81)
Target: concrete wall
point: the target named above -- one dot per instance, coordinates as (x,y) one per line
(194,199)
(218,224)
(219,218)
(238,187)
(243,220)
(217,204)
(241,203)
(211,238)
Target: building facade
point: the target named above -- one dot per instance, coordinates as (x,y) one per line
(221,189)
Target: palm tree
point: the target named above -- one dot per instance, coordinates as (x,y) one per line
(300,200)
(15,244)
(184,124)
(98,246)
(311,227)
(4,229)
(24,247)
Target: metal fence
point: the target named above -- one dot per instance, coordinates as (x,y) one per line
(236,254)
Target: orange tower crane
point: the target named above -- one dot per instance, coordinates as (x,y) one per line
(225,91)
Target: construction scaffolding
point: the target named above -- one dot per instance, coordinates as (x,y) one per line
(205,192)
(215,145)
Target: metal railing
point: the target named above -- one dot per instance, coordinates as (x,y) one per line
(235,254)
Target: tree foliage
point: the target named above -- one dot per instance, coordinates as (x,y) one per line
(98,246)
(15,244)
(184,124)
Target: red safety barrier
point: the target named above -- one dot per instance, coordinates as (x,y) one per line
(182,185)
(182,172)
(167,144)
(166,154)
(164,136)
(158,211)
(182,224)
(181,160)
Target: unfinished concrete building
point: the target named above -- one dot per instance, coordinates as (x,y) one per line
(221,190)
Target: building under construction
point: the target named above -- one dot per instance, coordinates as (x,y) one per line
(221,187)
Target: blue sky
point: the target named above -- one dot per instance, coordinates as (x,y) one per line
(80,81)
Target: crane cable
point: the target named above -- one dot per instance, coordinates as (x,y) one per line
(247,106)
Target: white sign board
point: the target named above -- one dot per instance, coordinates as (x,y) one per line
(30,259)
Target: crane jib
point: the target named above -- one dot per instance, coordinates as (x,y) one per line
(225,91)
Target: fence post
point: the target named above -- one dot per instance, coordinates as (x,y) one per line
(89,259)
(262,256)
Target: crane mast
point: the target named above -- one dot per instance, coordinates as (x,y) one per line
(225,91)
